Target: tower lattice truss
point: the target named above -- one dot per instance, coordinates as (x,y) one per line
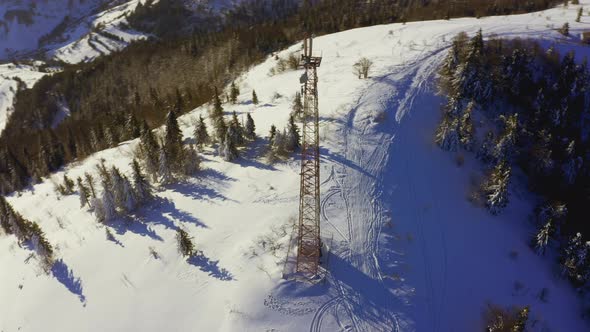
(309,243)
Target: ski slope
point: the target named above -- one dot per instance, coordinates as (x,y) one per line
(408,251)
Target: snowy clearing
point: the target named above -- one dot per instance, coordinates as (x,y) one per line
(408,251)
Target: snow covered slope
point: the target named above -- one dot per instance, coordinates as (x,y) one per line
(70,30)
(408,252)
(8,86)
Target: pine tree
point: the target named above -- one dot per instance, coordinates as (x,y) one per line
(278,143)
(542,238)
(99,210)
(466,130)
(565,29)
(507,141)
(68,185)
(191,161)
(580,13)
(254,97)
(173,141)
(250,128)
(238,131)
(164,170)
(107,205)
(293,138)
(132,129)
(201,134)
(234,93)
(574,258)
(496,188)
(84,194)
(143,190)
(230,151)
(447,133)
(4,216)
(185,244)
(521,320)
(149,151)
(297,105)
(572,164)
(17,224)
(90,184)
(117,188)
(42,247)
(271,135)
(129,197)
(486,151)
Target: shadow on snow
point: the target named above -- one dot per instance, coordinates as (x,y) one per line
(66,277)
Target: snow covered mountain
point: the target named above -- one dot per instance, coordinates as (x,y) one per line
(407,250)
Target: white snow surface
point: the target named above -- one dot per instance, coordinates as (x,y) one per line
(8,86)
(82,40)
(408,251)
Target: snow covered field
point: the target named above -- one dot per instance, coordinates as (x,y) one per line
(408,251)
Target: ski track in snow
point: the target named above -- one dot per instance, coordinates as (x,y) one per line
(396,259)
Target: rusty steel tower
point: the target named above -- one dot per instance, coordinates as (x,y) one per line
(308,241)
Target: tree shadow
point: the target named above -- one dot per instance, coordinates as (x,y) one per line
(209,266)
(253,153)
(339,159)
(134,225)
(66,277)
(162,211)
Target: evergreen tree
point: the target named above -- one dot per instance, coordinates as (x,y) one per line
(108,206)
(250,128)
(191,161)
(149,151)
(447,133)
(297,105)
(466,130)
(230,150)
(129,202)
(572,164)
(164,170)
(254,97)
(4,216)
(117,188)
(507,141)
(238,132)
(574,259)
(41,246)
(173,141)
(185,243)
(521,320)
(84,193)
(565,29)
(542,238)
(99,210)
(143,189)
(271,135)
(496,188)
(293,138)
(201,134)
(132,129)
(580,13)
(68,185)
(90,184)
(278,143)
(234,93)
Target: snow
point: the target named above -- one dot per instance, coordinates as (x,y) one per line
(8,86)
(408,251)
(74,44)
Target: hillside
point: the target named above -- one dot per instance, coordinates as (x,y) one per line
(407,250)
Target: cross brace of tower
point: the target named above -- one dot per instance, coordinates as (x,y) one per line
(308,241)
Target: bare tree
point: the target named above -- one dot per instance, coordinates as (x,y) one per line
(361,68)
